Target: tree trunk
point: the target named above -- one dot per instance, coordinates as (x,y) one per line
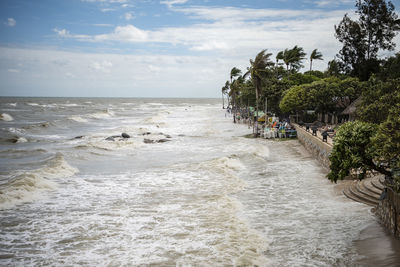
(234,106)
(256,122)
(223,102)
(310,65)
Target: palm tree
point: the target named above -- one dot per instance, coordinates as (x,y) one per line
(224,91)
(257,70)
(315,55)
(292,57)
(279,56)
(235,72)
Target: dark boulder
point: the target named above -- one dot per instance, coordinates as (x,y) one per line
(125,135)
(163,140)
(148,141)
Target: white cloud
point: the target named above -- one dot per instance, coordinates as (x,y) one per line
(127,33)
(236,31)
(105,1)
(330,3)
(112,74)
(171,3)
(104,66)
(104,10)
(211,45)
(13,70)
(128,16)
(11,22)
(62,32)
(102,25)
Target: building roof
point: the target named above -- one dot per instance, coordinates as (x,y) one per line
(351,109)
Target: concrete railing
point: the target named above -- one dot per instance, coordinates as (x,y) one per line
(320,150)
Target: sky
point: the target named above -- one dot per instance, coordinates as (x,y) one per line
(146,48)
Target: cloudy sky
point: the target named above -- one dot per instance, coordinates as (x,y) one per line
(148,48)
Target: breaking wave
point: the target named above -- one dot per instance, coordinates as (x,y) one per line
(6,117)
(77,119)
(26,186)
(102,115)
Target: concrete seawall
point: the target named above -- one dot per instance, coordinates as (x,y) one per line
(388,210)
(320,150)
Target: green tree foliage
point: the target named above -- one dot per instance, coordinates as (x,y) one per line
(234,89)
(362,39)
(292,58)
(296,99)
(326,95)
(387,139)
(224,90)
(353,151)
(374,143)
(390,68)
(258,70)
(377,99)
(315,55)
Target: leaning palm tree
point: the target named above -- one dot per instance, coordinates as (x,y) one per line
(315,55)
(257,70)
(279,56)
(224,91)
(292,57)
(235,72)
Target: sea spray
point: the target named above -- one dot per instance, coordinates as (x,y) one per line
(6,117)
(27,186)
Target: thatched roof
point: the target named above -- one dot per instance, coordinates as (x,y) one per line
(351,109)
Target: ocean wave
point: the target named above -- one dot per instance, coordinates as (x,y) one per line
(102,115)
(6,117)
(21,140)
(12,104)
(69,105)
(28,185)
(227,168)
(77,119)
(45,124)
(117,144)
(10,152)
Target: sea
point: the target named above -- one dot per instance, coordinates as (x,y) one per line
(187,188)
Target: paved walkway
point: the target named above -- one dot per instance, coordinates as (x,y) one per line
(319,136)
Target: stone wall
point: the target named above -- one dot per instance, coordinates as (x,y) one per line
(388,210)
(320,150)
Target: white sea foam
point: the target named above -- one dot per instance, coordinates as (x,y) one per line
(6,117)
(12,104)
(78,119)
(102,115)
(16,130)
(28,186)
(21,140)
(69,105)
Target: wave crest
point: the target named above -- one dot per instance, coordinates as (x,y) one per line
(6,117)
(27,186)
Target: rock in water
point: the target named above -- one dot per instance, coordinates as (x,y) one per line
(148,141)
(125,135)
(163,140)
